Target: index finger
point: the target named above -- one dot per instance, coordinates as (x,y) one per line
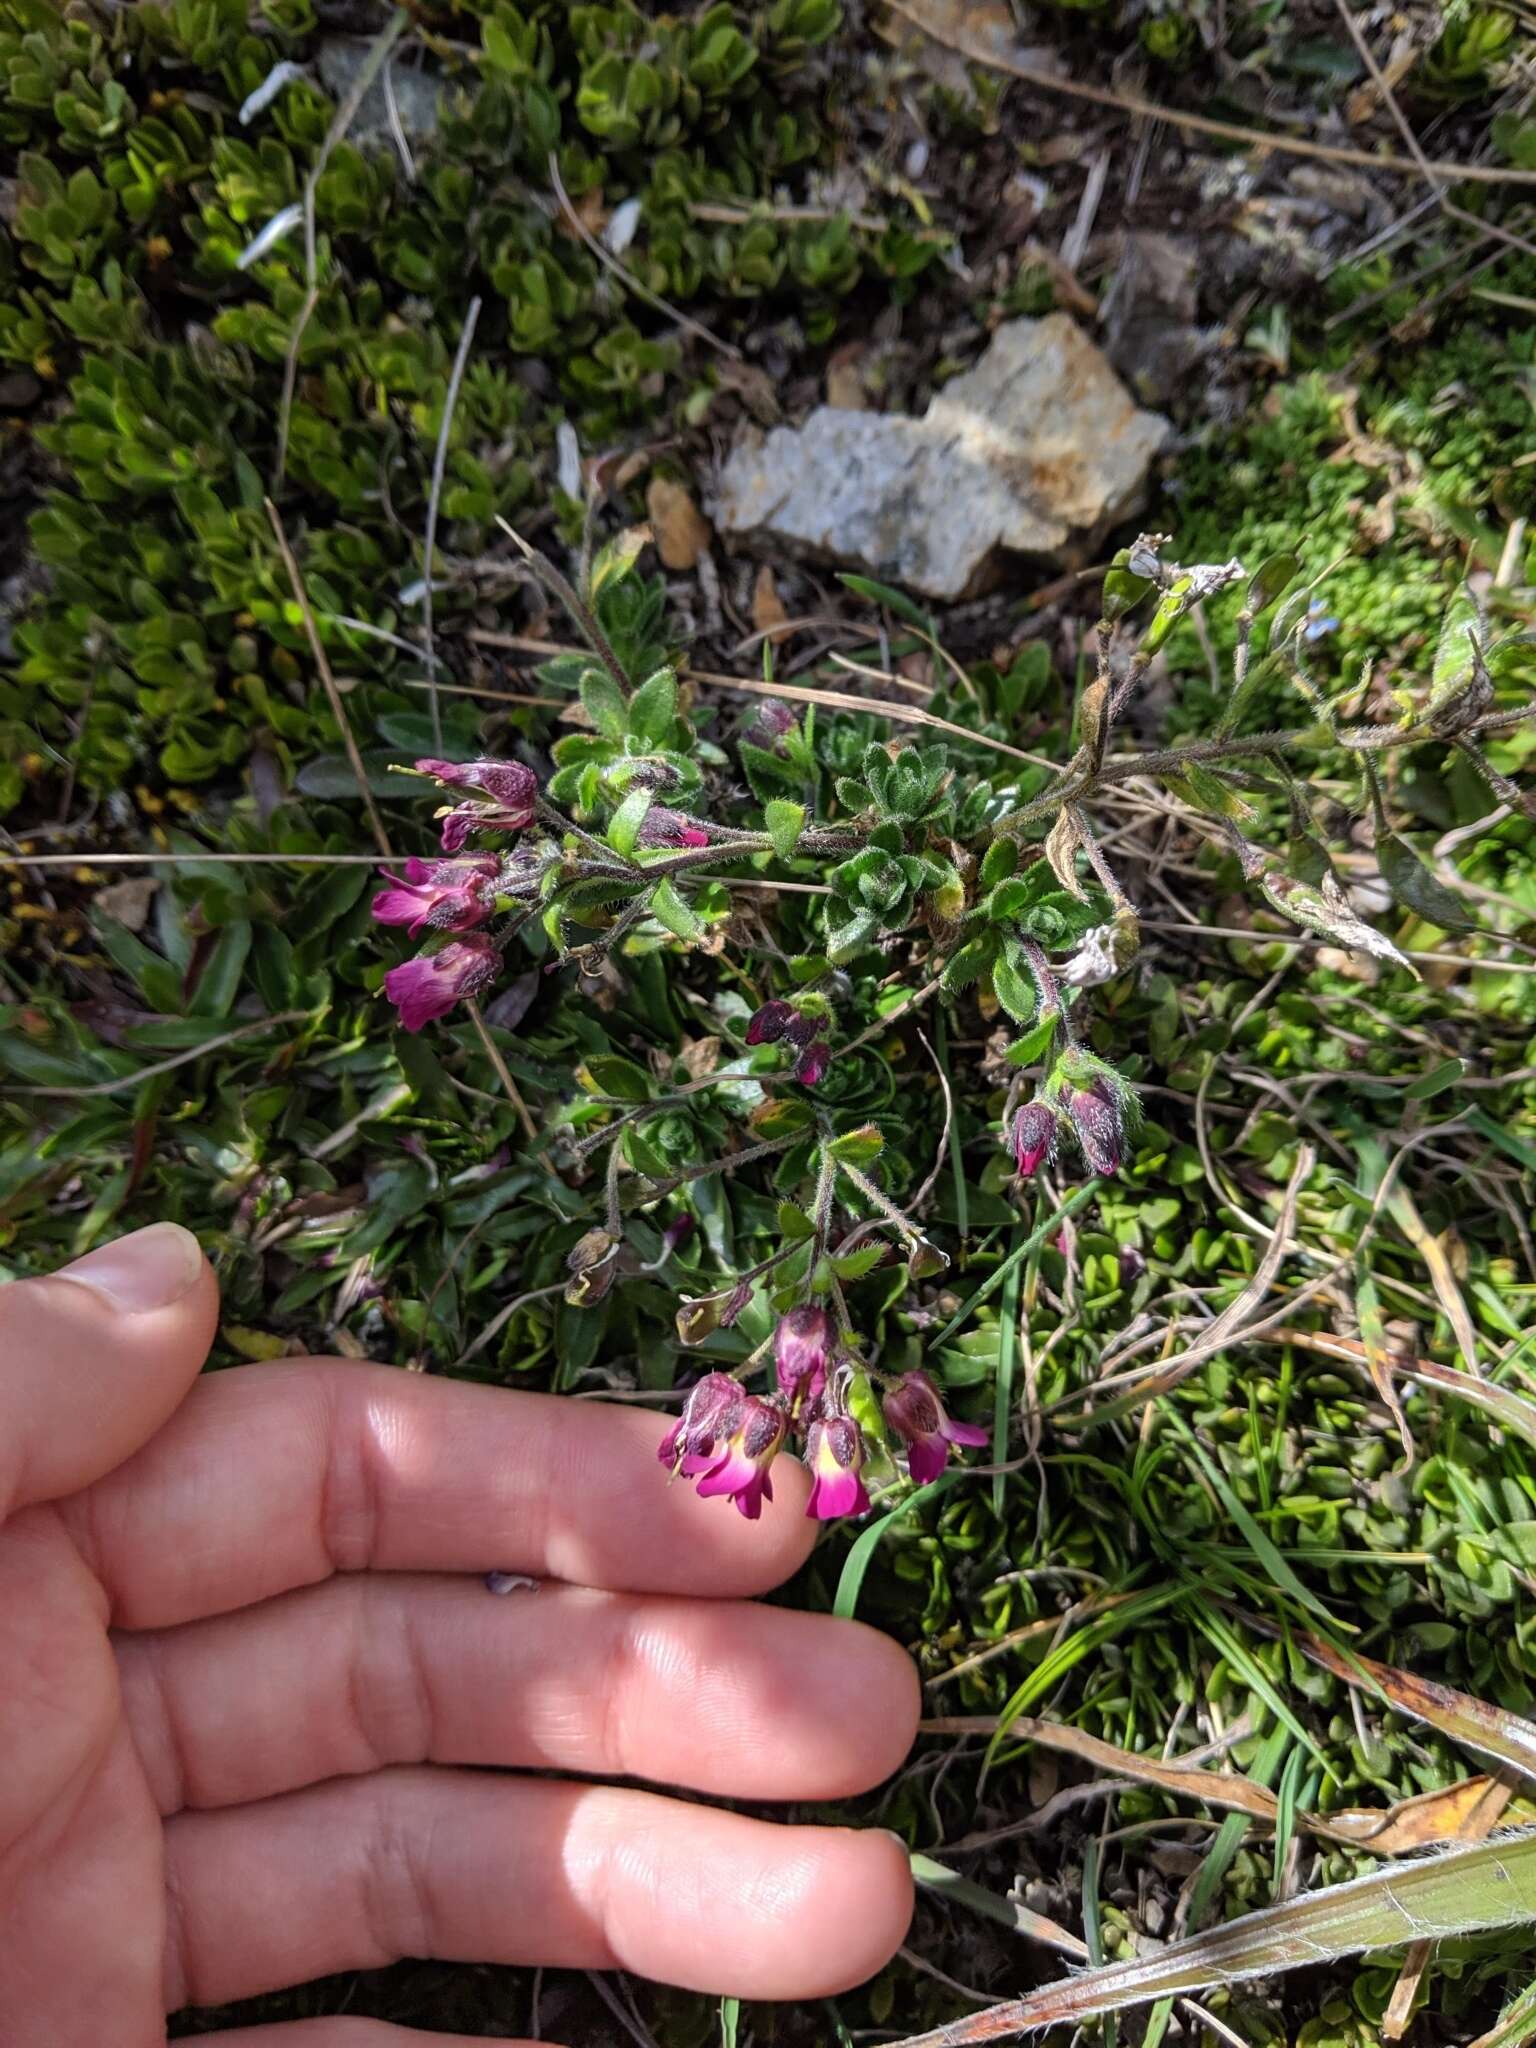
(274,1476)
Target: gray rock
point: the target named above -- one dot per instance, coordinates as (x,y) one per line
(1035,451)
(418,94)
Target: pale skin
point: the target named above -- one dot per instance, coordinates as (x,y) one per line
(247,1655)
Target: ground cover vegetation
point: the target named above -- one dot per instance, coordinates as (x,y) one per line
(1064,1060)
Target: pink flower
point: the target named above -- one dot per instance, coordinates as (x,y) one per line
(834,1451)
(1097,1125)
(447,895)
(432,983)
(802,1345)
(741,1468)
(769,1024)
(710,1412)
(812,1064)
(916,1414)
(511,791)
(661,827)
(1033,1136)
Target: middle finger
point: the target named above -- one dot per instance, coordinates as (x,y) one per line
(360,1673)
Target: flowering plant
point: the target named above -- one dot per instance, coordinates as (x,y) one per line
(656,828)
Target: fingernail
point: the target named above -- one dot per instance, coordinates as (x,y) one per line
(149,1269)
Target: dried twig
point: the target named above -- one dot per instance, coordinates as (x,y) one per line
(503,1071)
(627,277)
(1202,124)
(341,121)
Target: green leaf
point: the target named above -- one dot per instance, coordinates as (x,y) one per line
(854,1265)
(857,1148)
(1446,1075)
(653,709)
(668,908)
(1416,888)
(785,822)
(1013,985)
(624,826)
(894,600)
(1273,577)
(610,1073)
(603,702)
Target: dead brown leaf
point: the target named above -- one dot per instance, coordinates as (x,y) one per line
(682,532)
(128,902)
(768,613)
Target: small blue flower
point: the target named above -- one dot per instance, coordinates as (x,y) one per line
(1319,622)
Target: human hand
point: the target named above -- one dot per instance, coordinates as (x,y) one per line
(237,1670)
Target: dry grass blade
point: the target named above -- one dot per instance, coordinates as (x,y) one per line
(1496,1732)
(1464,1891)
(839,700)
(429,542)
(1502,1405)
(1202,124)
(1186,1781)
(338,709)
(1481,1815)
(1423,1821)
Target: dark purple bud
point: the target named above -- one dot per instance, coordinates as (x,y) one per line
(812,1064)
(1033,1137)
(801,1028)
(677,1232)
(769,1024)
(1097,1126)
(773,720)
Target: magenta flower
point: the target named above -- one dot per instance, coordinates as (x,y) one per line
(741,1467)
(510,791)
(769,1024)
(1097,1125)
(812,1064)
(432,983)
(661,827)
(711,1411)
(802,1346)
(445,895)
(1033,1136)
(834,1450)
(916,1414)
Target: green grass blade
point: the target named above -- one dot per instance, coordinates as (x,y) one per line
(995,1279)
(857,1562)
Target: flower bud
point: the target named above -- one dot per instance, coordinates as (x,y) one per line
(1033,1136)
(812,1064)
(1097,1124)
(769,1023)
(663,827)
(802,1349)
